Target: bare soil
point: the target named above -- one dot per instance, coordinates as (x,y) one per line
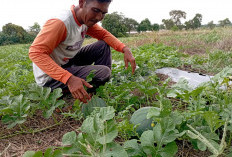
(52,135)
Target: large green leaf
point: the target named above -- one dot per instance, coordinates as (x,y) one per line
(109,133)
(133,148)
(95,102)
(113,150)
(69,138)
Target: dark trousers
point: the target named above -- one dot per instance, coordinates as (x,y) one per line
(81,65)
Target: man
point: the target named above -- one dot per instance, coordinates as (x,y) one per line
(57,56)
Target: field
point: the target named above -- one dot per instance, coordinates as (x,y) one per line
(182,121)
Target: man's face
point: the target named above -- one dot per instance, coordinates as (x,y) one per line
(94,12)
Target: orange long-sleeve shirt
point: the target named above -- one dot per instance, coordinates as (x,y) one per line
(59,40)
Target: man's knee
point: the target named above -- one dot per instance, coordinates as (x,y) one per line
(102,43)
(103,74)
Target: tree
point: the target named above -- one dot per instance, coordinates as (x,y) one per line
(161,26)
(145,25)
(168,23)
(16,33)
(12,34)
(188,24)
(224,22)
(131,24)
(35,29)
(197,21)
(194,23)
(155,27)
(115,24)
(176,16)
(211,25)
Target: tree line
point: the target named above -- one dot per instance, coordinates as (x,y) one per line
(121,26)
(117,24)
(14,34)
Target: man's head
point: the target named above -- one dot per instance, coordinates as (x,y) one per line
(100,1)
(93,11)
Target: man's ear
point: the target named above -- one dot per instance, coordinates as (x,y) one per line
(81,3)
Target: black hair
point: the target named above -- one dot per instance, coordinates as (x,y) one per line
(101,1)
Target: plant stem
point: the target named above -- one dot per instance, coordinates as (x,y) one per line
(30,132)
(203,140)
(54,118)
(223,143)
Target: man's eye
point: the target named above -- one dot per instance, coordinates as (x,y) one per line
(96,10)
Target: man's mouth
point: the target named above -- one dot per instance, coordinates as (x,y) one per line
(94,21)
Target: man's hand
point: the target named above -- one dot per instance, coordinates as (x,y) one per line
(128,57)
(75,85)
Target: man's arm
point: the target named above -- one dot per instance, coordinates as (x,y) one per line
(101,34)
(52,34)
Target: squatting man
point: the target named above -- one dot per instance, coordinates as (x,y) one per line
(60,61)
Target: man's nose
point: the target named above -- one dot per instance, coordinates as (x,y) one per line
(99,16)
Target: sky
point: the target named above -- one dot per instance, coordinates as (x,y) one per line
(26,12)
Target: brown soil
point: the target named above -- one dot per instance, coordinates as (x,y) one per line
(185,149)
(189,68)
(163,77)
(17,145)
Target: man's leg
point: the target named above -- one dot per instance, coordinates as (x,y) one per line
(80,66)
(98,53)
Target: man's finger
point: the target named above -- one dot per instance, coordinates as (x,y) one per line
(86,84)
(81,97)
(85,94)
(75,95)
(126,63)
(133,65)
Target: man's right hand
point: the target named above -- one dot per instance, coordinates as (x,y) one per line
(75,85)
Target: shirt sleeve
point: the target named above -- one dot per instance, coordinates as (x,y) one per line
(51,35)
(100,33)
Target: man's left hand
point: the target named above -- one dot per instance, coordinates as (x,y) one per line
(128,57)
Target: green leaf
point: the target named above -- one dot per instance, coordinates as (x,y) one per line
(71,150)
(132,148)
(69,138)
(107,113)
(57,153)
(153,112)
(109,133)
(169,150)
(95,102)
(88,125)
(91,75)
(47,114)
(48,152)
(29,154)
(114,150)
(147,142)
(201,146)
(38,154)
(213,120)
